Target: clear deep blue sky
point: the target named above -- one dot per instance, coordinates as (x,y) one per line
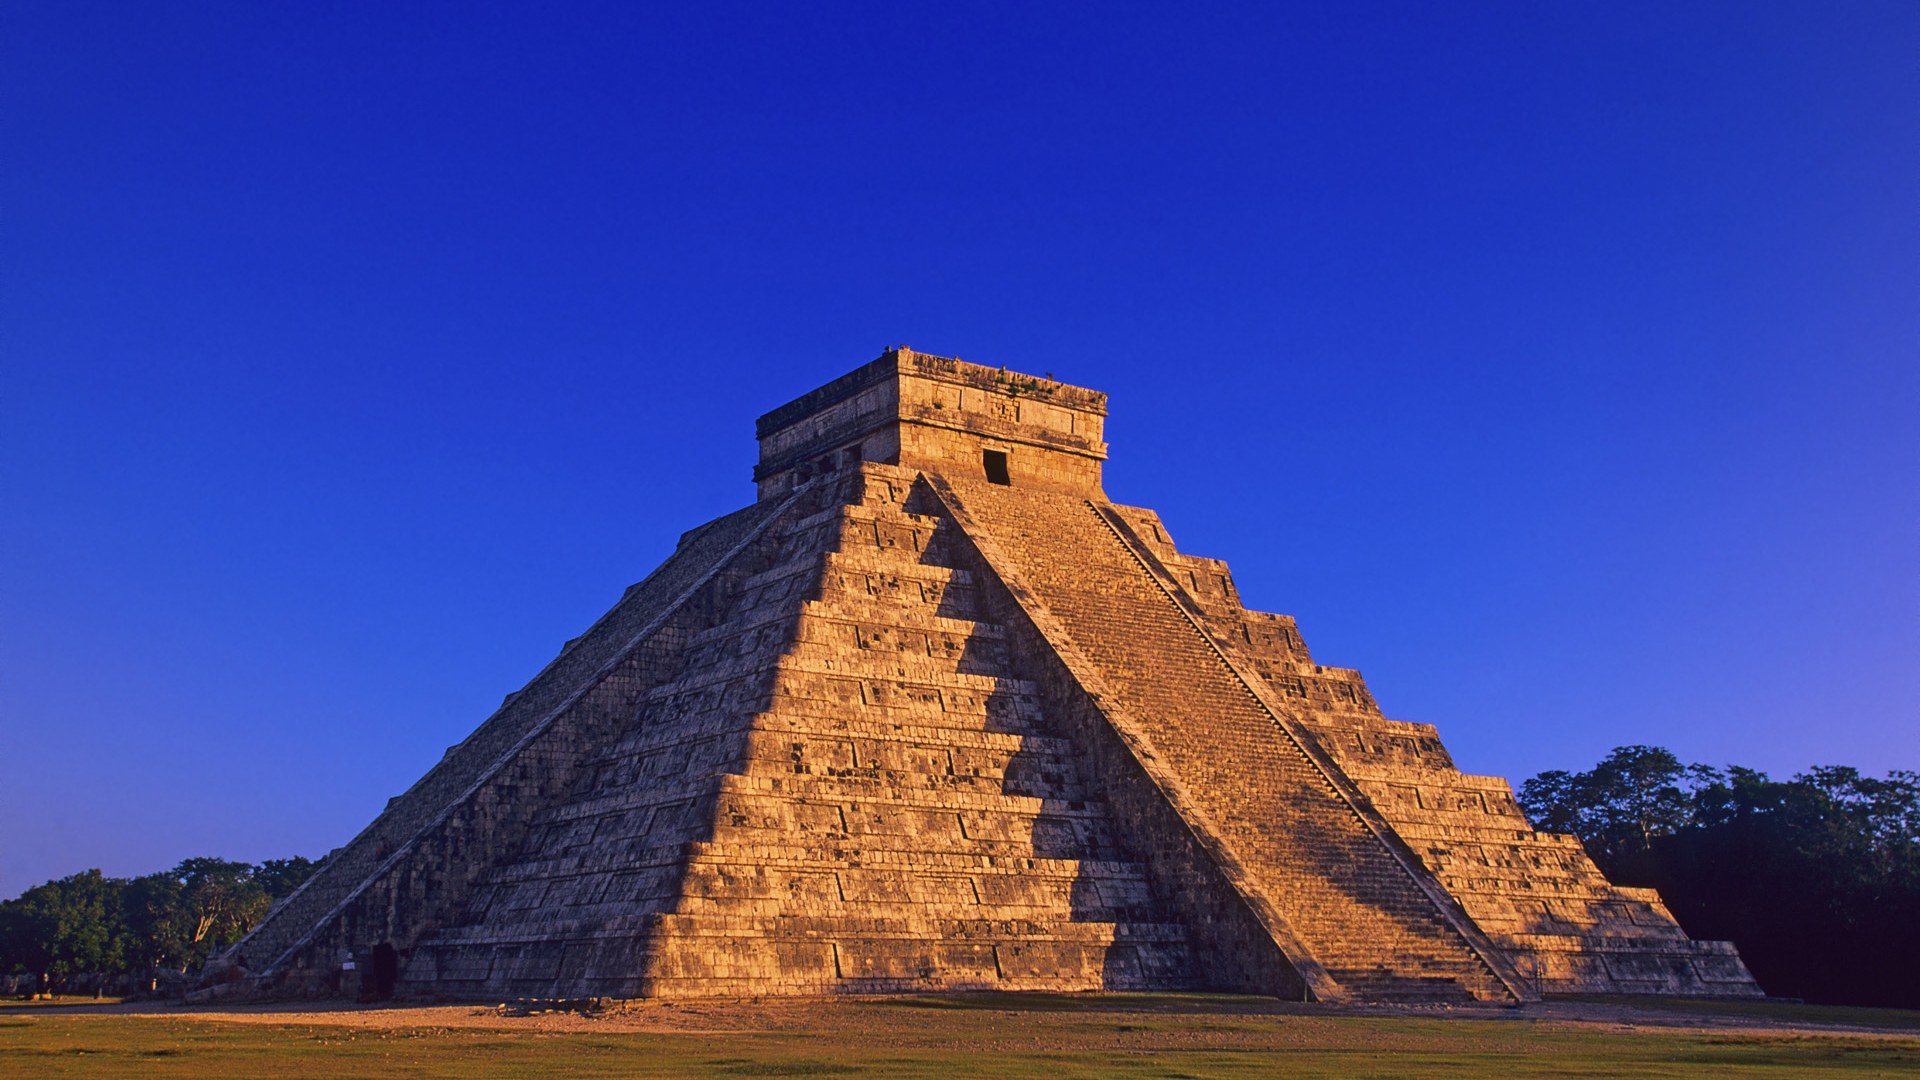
(1555,363)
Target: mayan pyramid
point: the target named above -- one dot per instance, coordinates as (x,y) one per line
(934,714)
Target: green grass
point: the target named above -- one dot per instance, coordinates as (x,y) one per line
(983,1036)
(1780,1012)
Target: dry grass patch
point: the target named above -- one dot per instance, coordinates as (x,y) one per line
(1059,1037)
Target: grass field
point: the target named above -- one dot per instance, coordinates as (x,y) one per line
(1056,1037)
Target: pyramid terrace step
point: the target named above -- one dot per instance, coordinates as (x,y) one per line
(964,732)
(828,708)
(1520,881)
(752,681)
(865,511)
(925,787)
(868,793)
(833,854)
(922,910)
(908,708)
(875,561)
(881,649)
(817,888)
(671,754)
(856,515)
(824,620)
(906,926)
(1516,933)
(823,855)
(747,620)
(1497,850)
(872,922)
(626,827)
(790,665)
(914,764)
(722,690)
(1013,847)
(1405,990)
(1602,941)
(809,723)
(1495,830)
(913,916)
(940,980)
(799,564)
(916,665)
(788,739)
(1464,818)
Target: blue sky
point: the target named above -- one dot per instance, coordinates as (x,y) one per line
(1555,364)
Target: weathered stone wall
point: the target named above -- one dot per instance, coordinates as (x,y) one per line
(936,414)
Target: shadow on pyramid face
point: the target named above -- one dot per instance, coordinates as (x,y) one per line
(982,655)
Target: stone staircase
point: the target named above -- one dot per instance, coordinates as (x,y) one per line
(1354,906)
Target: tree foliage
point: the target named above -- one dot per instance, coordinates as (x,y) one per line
(65,926)
(1816,879)
(173,919)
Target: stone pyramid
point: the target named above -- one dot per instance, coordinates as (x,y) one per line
(933,714)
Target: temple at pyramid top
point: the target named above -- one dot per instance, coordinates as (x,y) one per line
(966,421)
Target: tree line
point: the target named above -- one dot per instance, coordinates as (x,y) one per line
(91,931)
(1815,879)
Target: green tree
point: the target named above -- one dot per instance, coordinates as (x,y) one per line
(222,901)
(159,926)
(175,918)
(1816,879)
(281,876)
(66,927)
(1635,795)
